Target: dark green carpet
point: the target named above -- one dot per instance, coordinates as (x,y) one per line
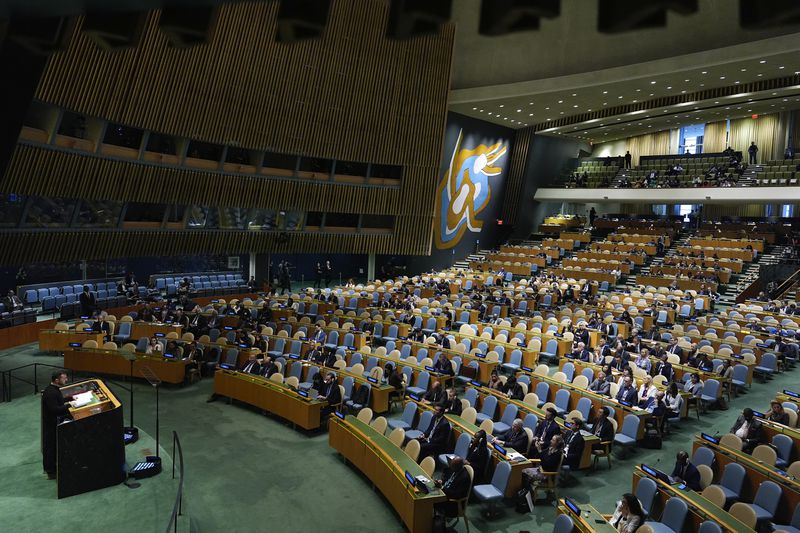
(245,471)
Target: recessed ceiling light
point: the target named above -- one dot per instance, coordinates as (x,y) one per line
(763,61)
(781,68)
(686,80)
(702,85)
(519,110)
(762,74)
(704,72)
(576,105)
(530,114)
(502,105)
(574,94)
(619,97)
(605,92)
(481,110)
(635,101)
(669,87)
(744,70)
(548,119)
(561,113)
(474,108)
(530,103)
(651,94)
(638,90)
(722,77)
(605,103)
(652,83)
(737,82)
(490,114)
(561,101)
(546,108)
(683,92)
(618,119)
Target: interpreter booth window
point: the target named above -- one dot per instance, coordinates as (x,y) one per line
(787,211)
(11,206)
(50,212)
(99,214)
(691,139)
(292,220)
(202,217)
(261,219)
(660,209)
(232,217)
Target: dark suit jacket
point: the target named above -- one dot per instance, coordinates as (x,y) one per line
(435,395)
(102,327)
(438,435)
(268,370)
(605,431)
(255,369)
(332,393)
(545,431)
(677,350)
(627,395)
(452,407)
(574,443)
(518,441)
(456,485)
(691,476)
(88,303)
(754,433)
(516,392)
(664,369)
(53,407)
(600,387)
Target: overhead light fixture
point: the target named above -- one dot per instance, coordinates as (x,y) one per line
(763,61)
(722,77)
(781,68)
(605,92)
(744,70)
(561,101)
(669,87)
(704,72)
(519,110)
(502,105)
(652,83)
(474,108)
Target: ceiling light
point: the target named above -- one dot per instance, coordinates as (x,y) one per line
(530,103)
(561,113)
(474,108)
(546,108)
(737,82)
(605,92)
(685,80)
(781,68)
(635,101)
(744,70)
(722,77)
(638,90)
(561,101)
(502,105)
(763,61)
(519,110)
(683,92)
(548,119)
(619,97)
(702,85)
(576,105)
(762,74)
(530,114)
(704,72)
(652,83)
(651,94)
(605,103)
(573,94)
(481,110)
(669,87)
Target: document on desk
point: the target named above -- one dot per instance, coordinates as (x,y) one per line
(84,398)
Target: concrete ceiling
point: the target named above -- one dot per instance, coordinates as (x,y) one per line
(538,102)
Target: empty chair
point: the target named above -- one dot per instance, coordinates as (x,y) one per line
(765,454)
(709,527)
(412,449)
(397,436)
(706,475)
(673,517)
(514,361)
(564,523)
(312,371)
(471,395)
(379,424)
(744,513)
(646,493)
(731,482)
(714,494)
(543,392)
(509,415)
(766,502)
(493,492)
(487,410)
(550,352)
(783,445)
(793,526)
(365,415)
(584,406)
(562,402)
(469,414)
(422,425)
(461,449)
(406,421)
(421,386)
(627,435)
(360,399)
(767,367)
(123,333)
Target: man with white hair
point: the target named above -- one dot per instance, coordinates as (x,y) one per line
(515,437)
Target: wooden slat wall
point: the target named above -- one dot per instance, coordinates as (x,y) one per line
(76,175)
(516,174)
(27,247)
(352,95)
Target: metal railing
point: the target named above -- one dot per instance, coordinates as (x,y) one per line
(7,378)
(177,508)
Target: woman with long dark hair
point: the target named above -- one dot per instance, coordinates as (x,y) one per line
(629,514)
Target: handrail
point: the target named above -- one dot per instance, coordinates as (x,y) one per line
(177,508)
(787,285)
(7,377)
(751,290)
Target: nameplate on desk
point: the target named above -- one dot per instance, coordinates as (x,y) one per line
(409,476)
(75,345)
(791,393)
(737,356)
(372,379)
(227,366)
(337,413)
(476,383)
(499,449)
(304,394)
(84,317)
(243,345)
(480,355)
(283,318)
(158,334)
(430,368)
(355,330)
(227,328)
(169,322)
(402,338)
(351,347)
(214,301)
(626,404)
(709,438)
(758,414)
(413,396)
(294,356)
(169,356)
(572,506)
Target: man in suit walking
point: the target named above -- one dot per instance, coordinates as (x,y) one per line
(436,437)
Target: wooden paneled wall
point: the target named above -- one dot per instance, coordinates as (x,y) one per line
(77,175)
(351,95)
(45,246)
(516,174)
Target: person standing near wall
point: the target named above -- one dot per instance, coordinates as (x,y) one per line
(753,151)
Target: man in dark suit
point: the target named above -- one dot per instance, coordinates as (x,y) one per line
(606,329)
(268,367)
(451,403)
(101,325)
(544,432)
(54,410)
(603,429)
(573,444)
(674,348)
(436,437)
(749,429)
(332,394)
(686,472)
(251,366)
(435,394)
(146,314)
(13,302)
(88,302)
(664,368)
(627,393)
(513,389)
(605,349)
(315,354)
(455,484)
(515,437)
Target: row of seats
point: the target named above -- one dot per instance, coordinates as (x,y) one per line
(33,296)
(202,284)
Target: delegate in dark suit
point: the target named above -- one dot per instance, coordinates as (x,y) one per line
(601,386)
(455,485)
(573,448)
(689,474)
(88,303)
(331,393)
(755,433)
(103,327)
(664,368)
(515,438)
(604,431)
(436,437)
(627,394)
(54,409)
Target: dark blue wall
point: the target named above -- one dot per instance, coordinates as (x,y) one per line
(474,132)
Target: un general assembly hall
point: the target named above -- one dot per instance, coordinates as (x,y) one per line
(493,266)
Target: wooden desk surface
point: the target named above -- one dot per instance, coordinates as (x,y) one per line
(385,465)
(590,519)
(756,473)
(700,508)
(116,362)
(52,340)
(269,396)
(141,329)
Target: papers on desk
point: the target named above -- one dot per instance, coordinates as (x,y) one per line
(515,457)
(585,433)
(84,398)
